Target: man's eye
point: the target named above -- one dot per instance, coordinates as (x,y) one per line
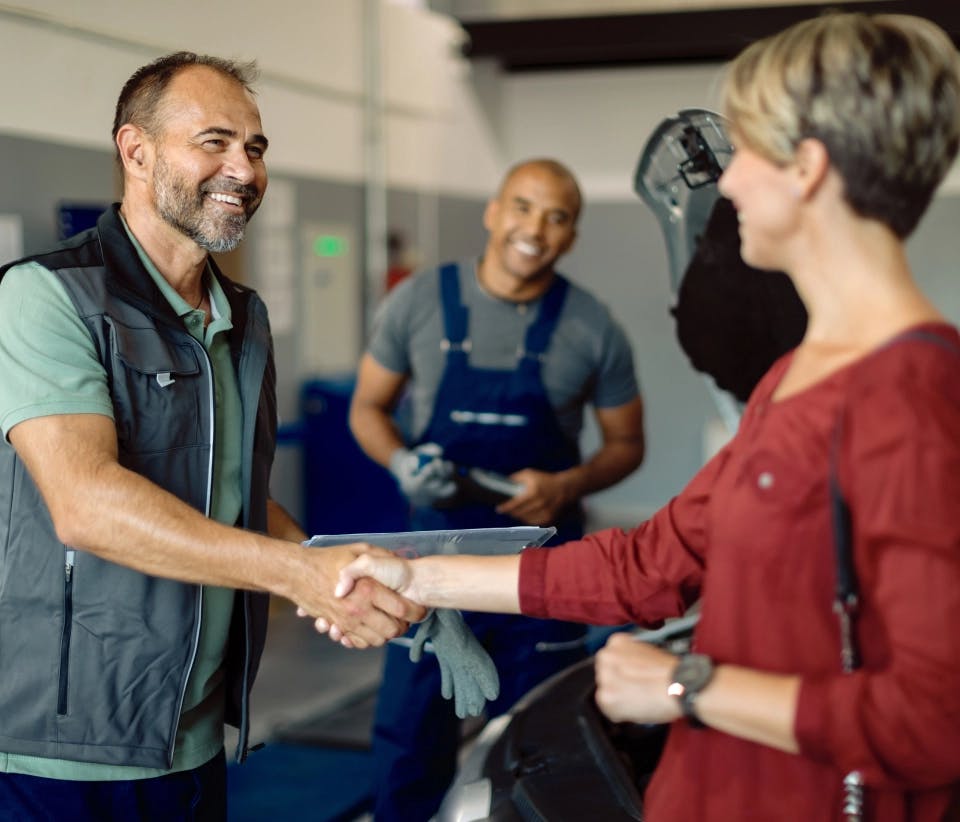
(255,152)
(213,142)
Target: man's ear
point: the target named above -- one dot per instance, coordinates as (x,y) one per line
(571,241)
(134,148)
(490,213)
(811,164)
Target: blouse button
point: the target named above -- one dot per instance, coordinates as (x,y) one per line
(765,481)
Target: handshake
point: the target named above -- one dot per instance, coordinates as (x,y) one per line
(468,675)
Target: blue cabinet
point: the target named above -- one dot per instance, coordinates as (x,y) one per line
(344,491)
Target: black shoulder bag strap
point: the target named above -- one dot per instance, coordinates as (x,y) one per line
(846,603)
(846,599)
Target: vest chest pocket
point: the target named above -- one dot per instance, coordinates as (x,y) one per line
(157,386)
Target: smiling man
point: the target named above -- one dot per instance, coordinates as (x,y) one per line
(138,539)
(501,355)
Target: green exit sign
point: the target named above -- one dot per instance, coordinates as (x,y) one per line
(329,245)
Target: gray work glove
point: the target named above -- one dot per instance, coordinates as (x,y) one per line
(467,674)
(422,473)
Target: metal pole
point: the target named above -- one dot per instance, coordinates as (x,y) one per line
(375,188)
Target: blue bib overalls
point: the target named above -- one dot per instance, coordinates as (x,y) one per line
(501,421)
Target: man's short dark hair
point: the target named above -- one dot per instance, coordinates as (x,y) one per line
(139,100)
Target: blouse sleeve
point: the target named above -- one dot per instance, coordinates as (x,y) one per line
(643,575)
(897,718)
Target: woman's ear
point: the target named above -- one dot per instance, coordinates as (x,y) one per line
(811,162)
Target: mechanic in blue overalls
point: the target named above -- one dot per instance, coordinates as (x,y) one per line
(497,358)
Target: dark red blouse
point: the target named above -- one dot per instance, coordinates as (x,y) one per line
(751,536)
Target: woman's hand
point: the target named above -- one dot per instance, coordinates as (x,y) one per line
(632,680)
(386,568)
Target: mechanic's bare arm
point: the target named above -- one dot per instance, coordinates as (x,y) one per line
(377,391)
(621,450)
(632,680)
(281,524)
(101,507)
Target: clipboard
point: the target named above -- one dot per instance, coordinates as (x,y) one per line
(479,541)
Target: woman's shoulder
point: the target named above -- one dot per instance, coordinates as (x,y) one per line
(909,388)
(926,353)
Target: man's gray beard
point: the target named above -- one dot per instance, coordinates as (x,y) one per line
(228,237)
(184,210)
(228,240)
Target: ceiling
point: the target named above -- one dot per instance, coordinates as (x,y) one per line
(529,35)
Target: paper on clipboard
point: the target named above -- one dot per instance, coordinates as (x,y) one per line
(481,541)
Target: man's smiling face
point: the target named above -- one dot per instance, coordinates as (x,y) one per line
(209,175)
(532,222)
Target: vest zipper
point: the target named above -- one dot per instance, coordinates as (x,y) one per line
(207,506)
(69,561)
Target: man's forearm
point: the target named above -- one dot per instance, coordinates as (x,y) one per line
(103,508)
(609,465)
(376,432)
(124,518)
(155,533)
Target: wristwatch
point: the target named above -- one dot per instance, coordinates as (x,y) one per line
(691,675)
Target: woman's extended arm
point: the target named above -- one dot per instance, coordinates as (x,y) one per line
(473,583)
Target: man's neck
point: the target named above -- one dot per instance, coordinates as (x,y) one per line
(506,286)
(179,260)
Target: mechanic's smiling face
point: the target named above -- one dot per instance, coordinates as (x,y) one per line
(531,223)
(209,174)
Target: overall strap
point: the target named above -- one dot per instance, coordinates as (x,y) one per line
(541,329)
(454,312)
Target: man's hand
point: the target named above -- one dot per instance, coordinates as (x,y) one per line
(632,680)
(369,615)
(543,499)
(422,474)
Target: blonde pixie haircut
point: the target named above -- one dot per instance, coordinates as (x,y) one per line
(881,92)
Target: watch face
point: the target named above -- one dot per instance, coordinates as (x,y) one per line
(691,676)
(693,671)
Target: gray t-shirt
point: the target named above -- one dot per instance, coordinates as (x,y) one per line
(589,360)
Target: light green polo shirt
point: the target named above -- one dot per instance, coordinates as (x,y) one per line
(50,366)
